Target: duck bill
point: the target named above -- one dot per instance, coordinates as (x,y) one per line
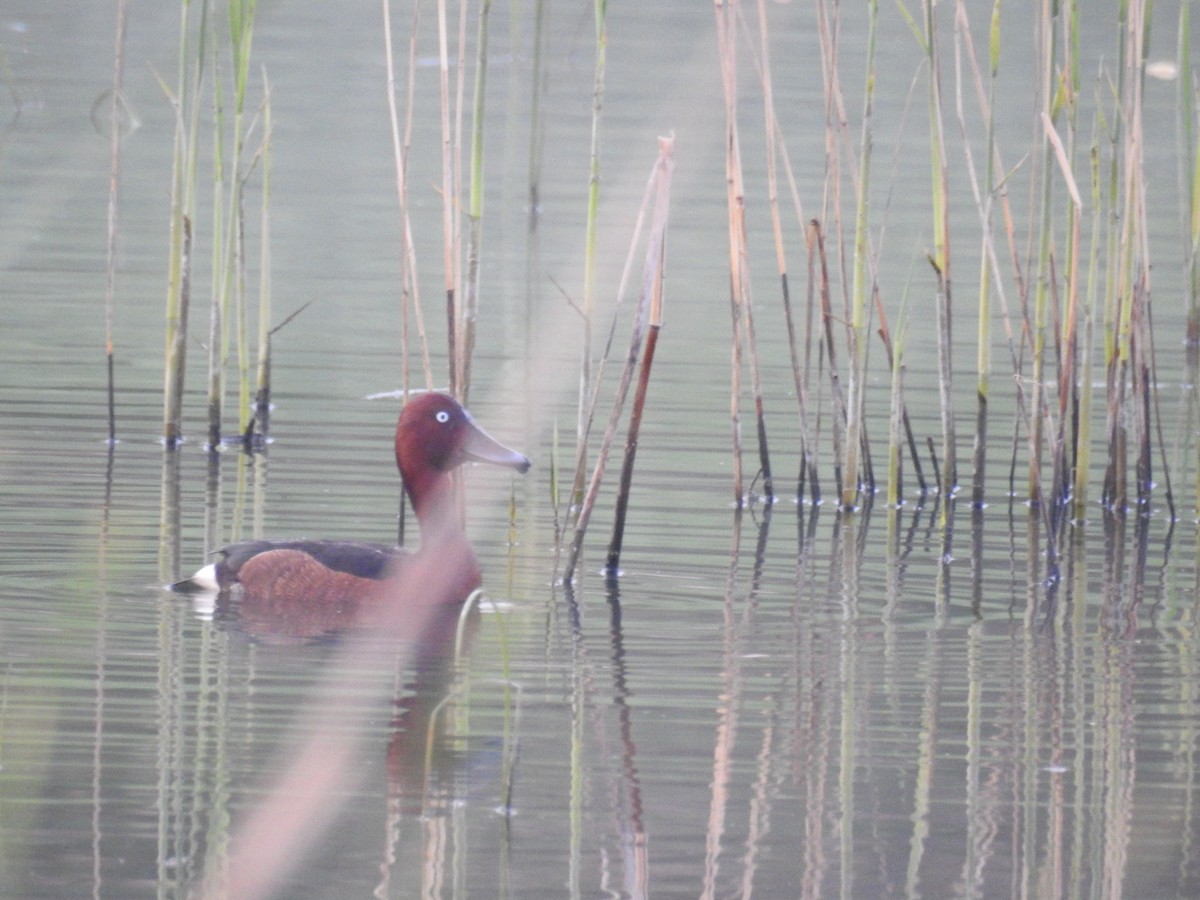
(480,446)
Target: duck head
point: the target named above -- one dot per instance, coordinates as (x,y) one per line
(434,436)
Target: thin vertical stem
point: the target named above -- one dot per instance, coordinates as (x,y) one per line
(449,199)
(941,258)
(650,296)
(183,187)
(114,181)
(401,141)
(536,132)
(263,378)
(741,307)
(861,288)
(652,283)
(586,389)
(475,210)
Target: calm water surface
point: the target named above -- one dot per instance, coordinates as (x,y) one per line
(781,702)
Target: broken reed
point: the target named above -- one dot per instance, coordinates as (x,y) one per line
(1078,266)
(202,47)
(647,316)
(652,284)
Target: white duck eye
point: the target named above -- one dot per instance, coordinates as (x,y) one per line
(442,416)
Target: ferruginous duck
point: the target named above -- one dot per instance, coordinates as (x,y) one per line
(318,586)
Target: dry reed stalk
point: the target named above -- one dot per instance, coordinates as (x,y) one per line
(1154,412)
(470,312)
(589,417)
(735,415)
(239,307)
(837,430)
(774,143)
(962,33)
(588,381)
(742,309)
(653,285)
(1048,74)
(1131,285)
(811,233)
(808,458)
(409,285)
(186,105)
(1189,194)
(449,199)
(659,180)
(940,258)
(219,287)
(241,16)
(1113,497)
(996,193)
(895,457)
(114,183)
(1068,336)
(1068,372)
(861,289)
(801,370)
(536,132)
(905,420)
(836,135)
(858,285)
(1142,407)
(831,210)
(1083,453)
(1189,171)
(262,394)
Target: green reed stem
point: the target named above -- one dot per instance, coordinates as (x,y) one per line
(229,226)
